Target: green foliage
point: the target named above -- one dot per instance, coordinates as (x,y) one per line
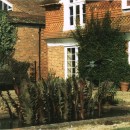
(56,100)
(104,46)
(7,36)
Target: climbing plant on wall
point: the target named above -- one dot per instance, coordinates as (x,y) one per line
(7,36)
(102,49)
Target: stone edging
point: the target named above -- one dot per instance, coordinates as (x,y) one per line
(106,121)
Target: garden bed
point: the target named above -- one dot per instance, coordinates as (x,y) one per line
(114,116)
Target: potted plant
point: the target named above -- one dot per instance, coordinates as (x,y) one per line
(124,77)
(124,86)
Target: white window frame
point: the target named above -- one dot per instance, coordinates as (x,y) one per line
(76,60)
(129,52)
(8,5)
(67,6)
(124,5)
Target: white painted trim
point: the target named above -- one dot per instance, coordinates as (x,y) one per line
(7,2)
(129,52)
(67,4)
(65,62)
(61,42)
(65,59)
(124,4)
(66,43)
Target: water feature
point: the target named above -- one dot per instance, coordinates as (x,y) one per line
(8,123)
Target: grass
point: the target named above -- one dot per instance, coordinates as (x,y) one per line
(125,128)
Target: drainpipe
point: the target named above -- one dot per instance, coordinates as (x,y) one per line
(39,55)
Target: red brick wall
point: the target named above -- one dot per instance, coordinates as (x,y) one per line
(27,45)
(44,59)
(99,8)
(54,21)
(56,60)
(53,57)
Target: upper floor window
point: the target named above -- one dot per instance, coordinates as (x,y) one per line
(74,14)
(5,5)
(126,4)
(77,13)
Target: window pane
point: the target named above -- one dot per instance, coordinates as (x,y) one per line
(73,57)
(5,6)
(71,10)
(84,8)
(73,50)
(71,1)
(71,63)
(71,16)
(77,9)
(0,5)
(69,72)
(84,18)
(77,14)
(84,14)
(69,57)
(69,51)
(73,69)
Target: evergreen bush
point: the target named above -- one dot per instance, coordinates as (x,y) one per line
(102,50)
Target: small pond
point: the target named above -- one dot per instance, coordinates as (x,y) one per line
(7,123)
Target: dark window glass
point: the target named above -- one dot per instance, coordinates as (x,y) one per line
(5,6)
(71,1)
(73,50)
(0,5)
(71,16)
(84,14)
(71,10)
(77,14)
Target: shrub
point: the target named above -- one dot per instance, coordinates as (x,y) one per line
(102,50)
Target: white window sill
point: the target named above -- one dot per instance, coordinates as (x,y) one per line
(72,27)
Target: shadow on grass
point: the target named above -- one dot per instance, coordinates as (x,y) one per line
(116,111)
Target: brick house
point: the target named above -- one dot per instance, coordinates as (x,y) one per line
(52,46)
(60,18)
(29,23)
